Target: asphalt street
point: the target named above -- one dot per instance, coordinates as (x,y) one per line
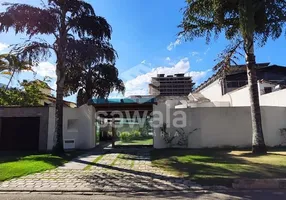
(205,195)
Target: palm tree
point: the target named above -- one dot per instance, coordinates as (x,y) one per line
(92,76)
(11,64)
(73,23)
(249,20)
(93,81)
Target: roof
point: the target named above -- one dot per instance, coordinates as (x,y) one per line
(46,85)
(196,96)
(53,99)
(141,96)
(122,101)
(233,69)
(127,106)
(165,98)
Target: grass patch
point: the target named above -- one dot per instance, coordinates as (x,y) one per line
(127,157)
(14,165)
(114,161)
(220,167)
(95,161)
(132,164)
(143,141)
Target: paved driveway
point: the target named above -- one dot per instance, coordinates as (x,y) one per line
(103,170)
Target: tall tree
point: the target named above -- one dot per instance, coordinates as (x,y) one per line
(252,21)
(63,19)
(11,64)
(90,81)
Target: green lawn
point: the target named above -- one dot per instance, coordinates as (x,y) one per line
(14,165)
(218,167)
(143,141)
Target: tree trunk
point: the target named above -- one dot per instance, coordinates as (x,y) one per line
(58,144)
(60,71)
(113,132)
(12,75)
(258,144)
(80,97)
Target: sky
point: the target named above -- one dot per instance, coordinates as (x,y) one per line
(145,38)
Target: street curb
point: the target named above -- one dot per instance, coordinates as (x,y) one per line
(90,190)
(118,193)
(203,189)
(259,184)
(109,193)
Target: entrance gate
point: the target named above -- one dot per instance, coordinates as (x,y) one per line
(118,117)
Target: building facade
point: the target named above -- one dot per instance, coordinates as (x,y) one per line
(171,85)
(231,89)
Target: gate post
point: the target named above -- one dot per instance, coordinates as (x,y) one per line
(113,132)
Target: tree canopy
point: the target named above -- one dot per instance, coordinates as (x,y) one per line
(11,64)
(90,81)
(63,20)
(207,18)
(28,94)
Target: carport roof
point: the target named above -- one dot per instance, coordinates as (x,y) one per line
(101,101)
(125,106)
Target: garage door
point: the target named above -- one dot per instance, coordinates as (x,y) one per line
(19,133)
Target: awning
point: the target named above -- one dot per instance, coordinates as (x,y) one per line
(128,107)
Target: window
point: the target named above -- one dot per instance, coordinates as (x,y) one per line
(267,90)
(236,84)
(242,83)
(232,84)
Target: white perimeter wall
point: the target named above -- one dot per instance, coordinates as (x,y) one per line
(277,98)
(82,130)
(238,97)
(241,97)
(213,91)
(225,126)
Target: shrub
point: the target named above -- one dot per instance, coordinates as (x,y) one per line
(97,135)
(125,136)
(136,134)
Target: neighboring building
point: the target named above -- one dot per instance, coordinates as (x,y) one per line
(177,85)
(236,77)
(51,100)
(141,96)
(230,87)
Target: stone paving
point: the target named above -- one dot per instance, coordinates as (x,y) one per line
(115,170)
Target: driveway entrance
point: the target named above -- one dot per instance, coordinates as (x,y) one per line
(103,170)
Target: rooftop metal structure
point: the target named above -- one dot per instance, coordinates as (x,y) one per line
(127,106)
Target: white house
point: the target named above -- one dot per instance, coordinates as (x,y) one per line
(230,89)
